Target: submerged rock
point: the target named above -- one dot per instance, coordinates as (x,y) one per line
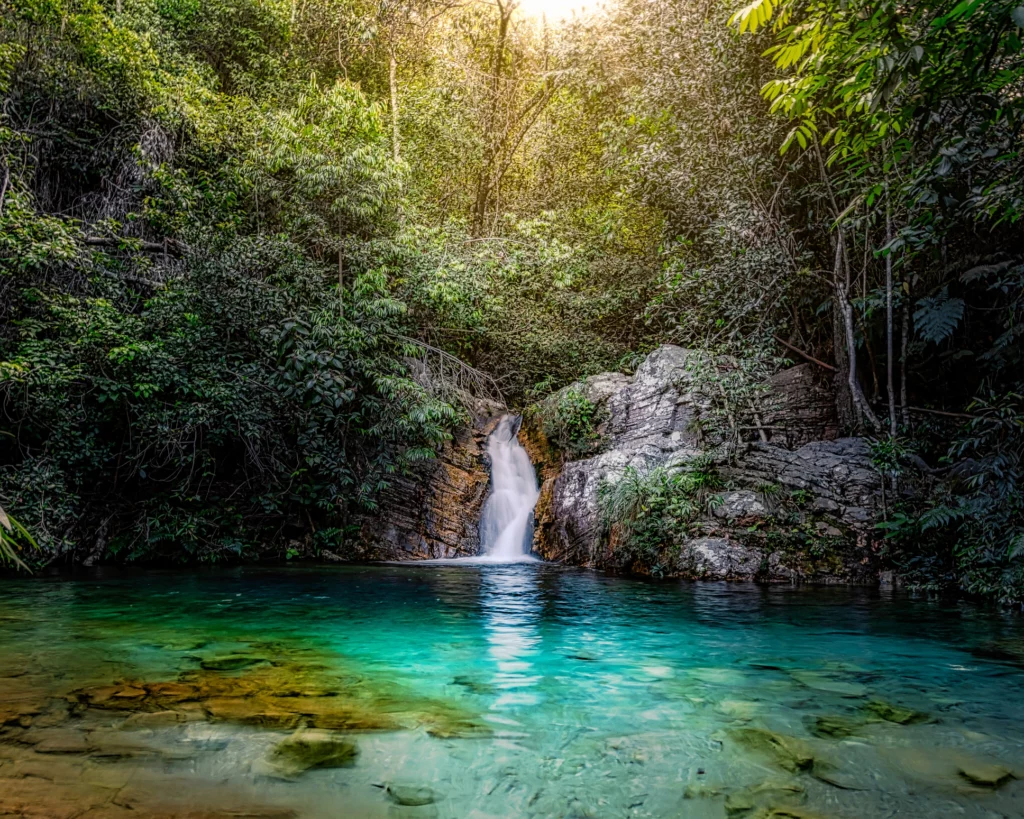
(787,752)
(312,748)
(984,774)
(821,681)
(835,727)
(950,768)
(895,713)
(411,796)
(231,663)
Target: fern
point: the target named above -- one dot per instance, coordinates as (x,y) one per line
(937,317)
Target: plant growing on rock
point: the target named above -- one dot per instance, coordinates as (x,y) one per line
(570,420)
(649,511)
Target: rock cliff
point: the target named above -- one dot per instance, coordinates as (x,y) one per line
(788,508)
(435,512)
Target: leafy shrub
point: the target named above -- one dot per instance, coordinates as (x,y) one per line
(969,535)
(651,510)
(570,423)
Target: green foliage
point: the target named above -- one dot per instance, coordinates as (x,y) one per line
(649,511)
(12,537)
(735,389)
(569,420)
(936,317)
(969,535)
(184,372)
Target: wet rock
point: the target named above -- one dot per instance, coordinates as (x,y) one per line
(739,803)
(895,713)
(250,711)
(830,774)
(788,813)
(460,729)
(653,420)
(474,686)
(154,719)
(950,768)
(231,663)
(787,752)
(766,797)
(835,727)
(984,774)
(704,791)
(411,796)
(827,683)
(312,748)
(57,741)
(435,511)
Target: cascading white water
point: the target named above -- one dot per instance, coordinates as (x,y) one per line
(507,520)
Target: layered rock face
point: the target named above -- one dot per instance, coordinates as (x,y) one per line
(783,514)
(436,512)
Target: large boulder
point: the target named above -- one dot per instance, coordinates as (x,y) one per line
(784,513)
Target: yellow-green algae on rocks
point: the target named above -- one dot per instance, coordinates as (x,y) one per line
(451,691)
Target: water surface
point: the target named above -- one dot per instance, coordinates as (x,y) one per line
(498,691)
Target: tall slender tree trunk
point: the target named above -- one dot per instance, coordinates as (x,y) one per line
(904,344)
(393,81)
(888,324)
(861,408)
(485,184)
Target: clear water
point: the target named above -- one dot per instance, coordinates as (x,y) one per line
(518,690)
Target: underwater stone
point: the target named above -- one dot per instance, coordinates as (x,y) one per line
(984,774)
(154,719)
(312,748)
(411,796)
(788,752)
(895,713)
(835,727)
(231,663)
(827,683)
(249,711)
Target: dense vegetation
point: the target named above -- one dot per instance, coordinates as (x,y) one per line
(233,234)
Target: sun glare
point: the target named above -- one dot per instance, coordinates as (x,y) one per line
(555,10)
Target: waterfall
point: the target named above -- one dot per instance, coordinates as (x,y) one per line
(506,525)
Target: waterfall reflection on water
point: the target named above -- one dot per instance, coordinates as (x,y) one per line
(512,609)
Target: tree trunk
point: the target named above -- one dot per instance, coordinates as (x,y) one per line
(904,343)
(485,183)
(888,325)
(845,412)
(393,81)
(861,407)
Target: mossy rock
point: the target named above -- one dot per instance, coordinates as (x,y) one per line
(787,752)
(834,726)
(766,796)
(313,748)
(896,713)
